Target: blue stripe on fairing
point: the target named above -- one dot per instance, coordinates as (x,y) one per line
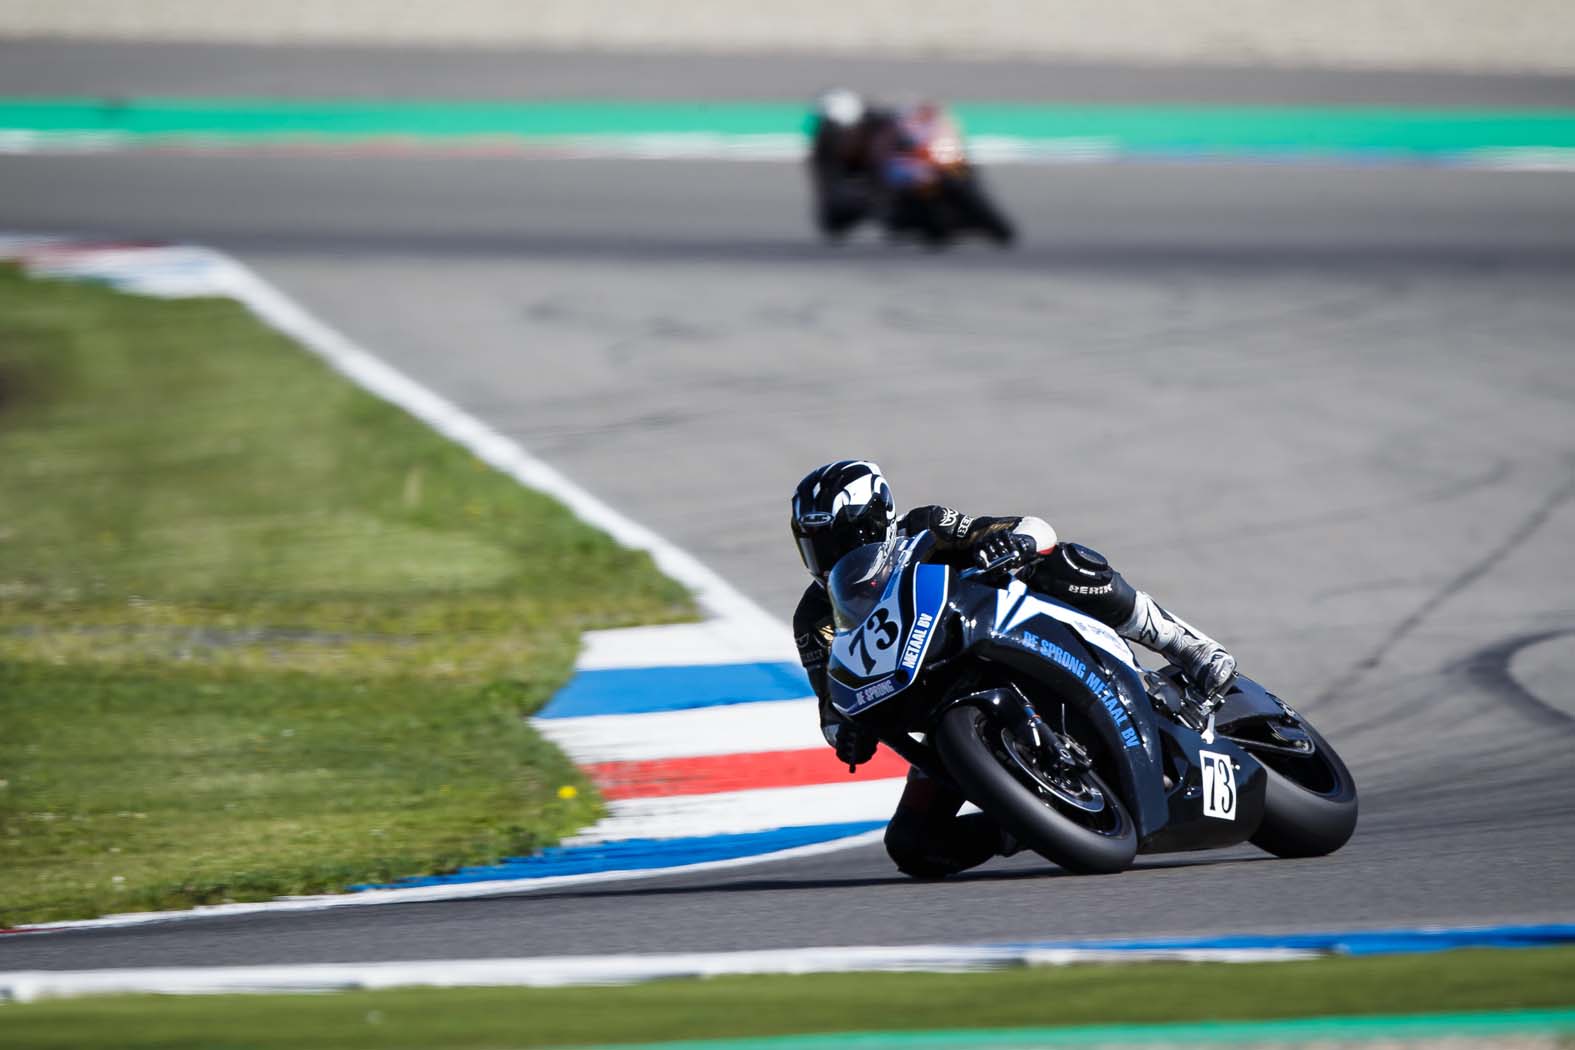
(640,690)
(1352,942)
(640,854)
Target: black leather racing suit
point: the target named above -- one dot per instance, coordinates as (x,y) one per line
(844,164)
(926,836)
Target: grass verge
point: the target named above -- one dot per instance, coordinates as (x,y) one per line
(261,633)
(496,1019)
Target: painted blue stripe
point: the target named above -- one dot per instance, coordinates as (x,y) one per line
(641,690)
(641,854)
(1351,942)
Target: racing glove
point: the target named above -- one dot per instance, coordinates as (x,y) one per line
(1012,549)
(854,744)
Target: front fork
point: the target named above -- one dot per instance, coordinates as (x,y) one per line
(1016,713)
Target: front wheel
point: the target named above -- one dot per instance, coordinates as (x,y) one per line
(1073,819)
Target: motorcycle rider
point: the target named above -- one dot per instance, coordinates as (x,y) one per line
(846,158)
(844,505)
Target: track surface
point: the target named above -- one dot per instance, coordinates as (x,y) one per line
(1326,414)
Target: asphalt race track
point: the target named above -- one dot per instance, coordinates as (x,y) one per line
(1327,414)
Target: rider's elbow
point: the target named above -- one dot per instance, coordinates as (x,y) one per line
(1042,533)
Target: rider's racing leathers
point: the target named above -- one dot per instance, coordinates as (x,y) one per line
(926,836)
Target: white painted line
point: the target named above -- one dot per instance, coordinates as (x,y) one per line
(683,644)
(774,148)
(564,971)
(771,725)
(740,812)
(714,594)
(31,141)
(1521,158)
(447,892)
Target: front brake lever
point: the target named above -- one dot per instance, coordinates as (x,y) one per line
(985,570)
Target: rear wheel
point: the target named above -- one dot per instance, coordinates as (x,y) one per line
(1069,817)
(978,211)
(1309,809)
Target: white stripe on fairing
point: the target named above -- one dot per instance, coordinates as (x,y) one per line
(446,891)
(773,725)
(685,644)
(561,971)
(737,812)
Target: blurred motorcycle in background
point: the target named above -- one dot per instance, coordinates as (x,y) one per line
(905,168)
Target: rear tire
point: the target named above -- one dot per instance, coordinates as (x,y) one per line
(978,211)
(962,739)
(1309,808)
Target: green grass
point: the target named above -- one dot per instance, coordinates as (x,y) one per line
(496,1019)
(261,633)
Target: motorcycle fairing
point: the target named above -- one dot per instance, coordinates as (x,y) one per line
(1015,604)
(1248,700)
(1046,644)
(1177,817)
(1189,825)
(883,655)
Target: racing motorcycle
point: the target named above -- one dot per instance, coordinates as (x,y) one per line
(932,190)
(909,171)
(1042,717)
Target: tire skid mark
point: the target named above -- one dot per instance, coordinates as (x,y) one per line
(1459,583)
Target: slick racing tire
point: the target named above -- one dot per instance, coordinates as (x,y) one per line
(977,211)
(1309,807)
(1093,844)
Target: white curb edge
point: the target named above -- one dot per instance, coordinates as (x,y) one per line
(565,971)
(715,595)
(445,892)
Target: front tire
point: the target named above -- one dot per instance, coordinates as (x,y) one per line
(1097,846)
(1309,808)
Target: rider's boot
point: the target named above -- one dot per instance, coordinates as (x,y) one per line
(1203,660)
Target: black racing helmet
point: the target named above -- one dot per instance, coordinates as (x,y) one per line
(838,508)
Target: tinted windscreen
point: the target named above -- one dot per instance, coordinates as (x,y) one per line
(856,584)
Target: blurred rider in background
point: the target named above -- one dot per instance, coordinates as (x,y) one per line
(901,144)
(849,139)
(842,506)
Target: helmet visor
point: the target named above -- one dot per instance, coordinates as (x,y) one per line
(820,542)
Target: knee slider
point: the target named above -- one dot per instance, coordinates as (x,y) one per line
(909,847)
(904,839)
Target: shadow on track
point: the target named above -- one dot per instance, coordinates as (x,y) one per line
(976,877)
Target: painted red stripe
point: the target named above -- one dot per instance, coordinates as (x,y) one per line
(709,774)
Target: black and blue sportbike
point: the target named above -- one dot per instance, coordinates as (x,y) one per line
(1043,718)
